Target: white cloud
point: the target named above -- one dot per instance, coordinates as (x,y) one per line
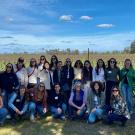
(66,18)
(87,18)
(105,25)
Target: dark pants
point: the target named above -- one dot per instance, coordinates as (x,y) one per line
(115,117)
(109,85)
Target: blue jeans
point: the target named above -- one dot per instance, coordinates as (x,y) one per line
(32,108)
(6,96)
(3,114)
(97,114)
(127,94)
(55,113)
(115,117)
(39,109)
(73,111)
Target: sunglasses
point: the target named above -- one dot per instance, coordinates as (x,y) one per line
(41,86)
(112,61)
(33,61)
(9,66)
(115,90)
(68,61)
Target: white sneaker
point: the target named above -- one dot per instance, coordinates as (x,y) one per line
(8,117)
(128,117)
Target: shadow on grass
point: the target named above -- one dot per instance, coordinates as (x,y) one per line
(50,126)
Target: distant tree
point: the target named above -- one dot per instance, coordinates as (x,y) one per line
(132,47)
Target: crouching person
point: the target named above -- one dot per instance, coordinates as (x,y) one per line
(57,104)
(95,102)
(18,104)
(77,102)
(119,110)
(3,112)
(37,101)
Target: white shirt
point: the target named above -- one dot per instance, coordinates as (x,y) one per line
(32,74)
(22,76)
(77,73)
(44,77)
(100,77)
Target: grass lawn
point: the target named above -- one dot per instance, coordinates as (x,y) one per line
(49,126)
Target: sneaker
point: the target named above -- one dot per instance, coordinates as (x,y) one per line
(8,117)
(63,118)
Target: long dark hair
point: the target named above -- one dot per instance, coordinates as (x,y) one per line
(112,97)
(97,67)
(99,90)
(80,62)
(33,59)
(42,56)
(51,63)
(86,73)
(12,69)
(115,65)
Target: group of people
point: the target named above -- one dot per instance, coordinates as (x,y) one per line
(103,92)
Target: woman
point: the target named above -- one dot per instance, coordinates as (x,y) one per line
(78,70)
(77,102)
(67,78)
(99,72)
(57,74)
(21,72)
(37,101)
(47,79)
(9,83)
(87,75)
(42,62)
(32,71)
(57,103)
(3,112)
(18,103)
(53,63)
(95,102)
(112,74)
(127,76)
(40,68)
(119,110)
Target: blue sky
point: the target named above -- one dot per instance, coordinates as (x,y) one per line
(34,25)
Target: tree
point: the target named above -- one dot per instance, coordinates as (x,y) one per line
(132,47)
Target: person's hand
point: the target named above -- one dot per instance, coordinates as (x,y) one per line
(18,112)
(44,110)
(59,110)
(78,112)
(93,110)
(110,112)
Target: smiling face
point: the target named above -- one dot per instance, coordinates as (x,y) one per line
(128,64)
(115,92)
(57,88)
(96,86)
(22,91)
(100,63)
(41,87)
(9,68)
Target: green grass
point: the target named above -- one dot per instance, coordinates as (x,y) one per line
(49,126)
